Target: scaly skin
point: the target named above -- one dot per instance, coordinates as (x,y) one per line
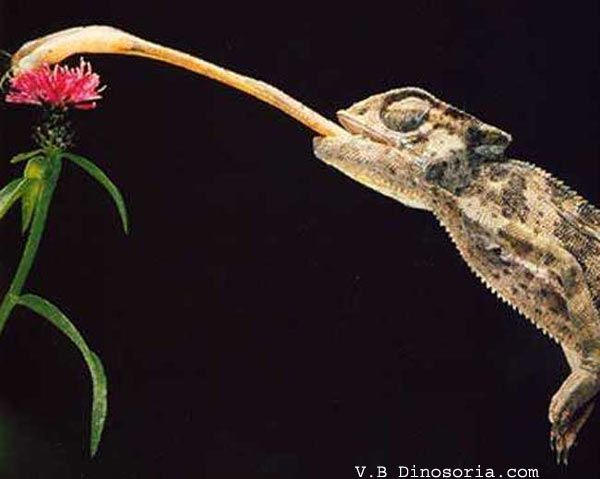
(531,240)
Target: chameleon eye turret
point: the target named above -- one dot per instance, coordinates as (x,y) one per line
(405,114)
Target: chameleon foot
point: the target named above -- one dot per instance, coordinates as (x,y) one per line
(562,440)
(570,408)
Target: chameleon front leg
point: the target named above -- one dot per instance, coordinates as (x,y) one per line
(580,384)
(572,404)
(570,408)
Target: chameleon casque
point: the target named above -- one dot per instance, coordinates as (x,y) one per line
(527,236)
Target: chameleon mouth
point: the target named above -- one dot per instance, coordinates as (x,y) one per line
(357,126)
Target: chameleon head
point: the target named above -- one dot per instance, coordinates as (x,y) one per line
(434,143)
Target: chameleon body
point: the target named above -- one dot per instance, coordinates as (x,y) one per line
(528,237)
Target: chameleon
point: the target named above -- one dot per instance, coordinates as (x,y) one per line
(528,237)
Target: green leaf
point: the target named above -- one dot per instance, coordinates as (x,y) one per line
(11,193)
(105,181)
(35,170)
(26,156)
(99,399)
(29,203)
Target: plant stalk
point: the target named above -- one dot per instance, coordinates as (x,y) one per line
(36,230)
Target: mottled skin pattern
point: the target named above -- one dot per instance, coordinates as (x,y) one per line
(530,239)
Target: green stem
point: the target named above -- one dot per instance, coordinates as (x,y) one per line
(50,179)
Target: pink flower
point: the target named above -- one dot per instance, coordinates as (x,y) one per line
(59,86)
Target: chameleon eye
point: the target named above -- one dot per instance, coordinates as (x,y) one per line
(405,115)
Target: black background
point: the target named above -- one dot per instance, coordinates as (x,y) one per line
(268,317)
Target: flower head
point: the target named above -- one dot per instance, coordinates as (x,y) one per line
(58,87)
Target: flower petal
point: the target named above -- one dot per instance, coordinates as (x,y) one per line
(59,86)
